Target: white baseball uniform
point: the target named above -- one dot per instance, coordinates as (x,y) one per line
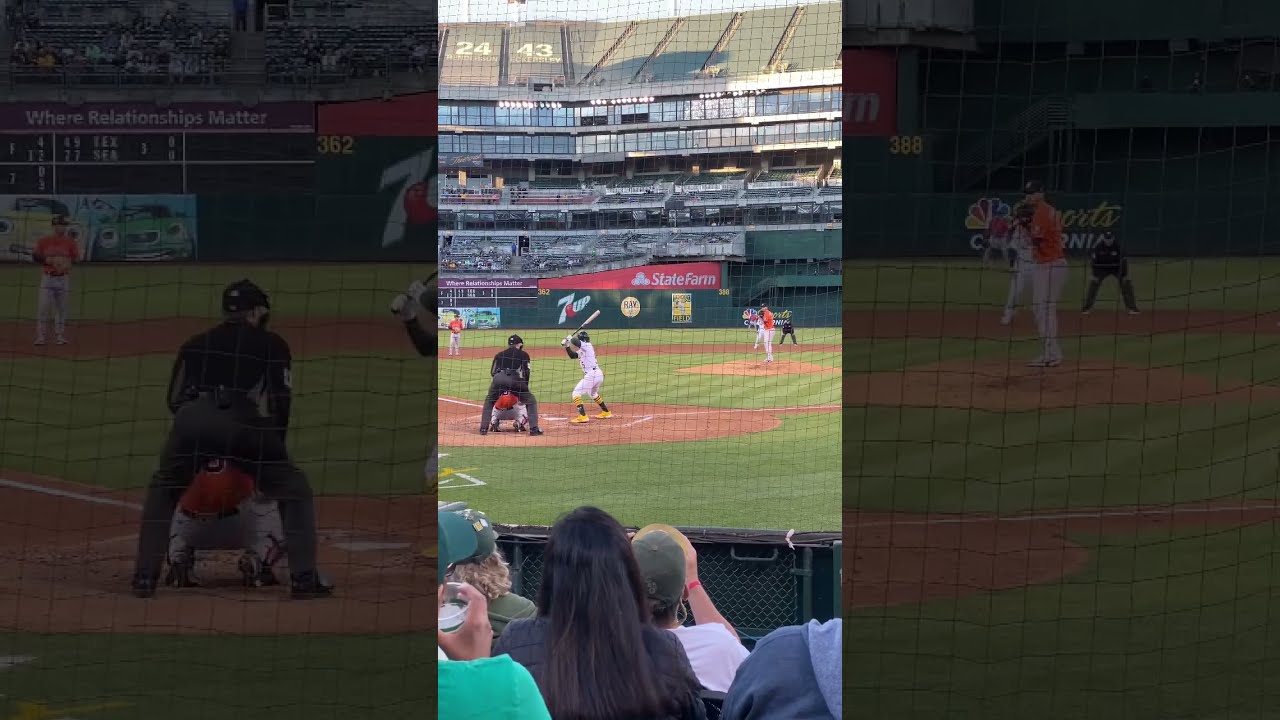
(518,415)
(54,291)
(592,376)
(255,525)
(1020,277)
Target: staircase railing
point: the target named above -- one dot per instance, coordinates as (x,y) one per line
(1015,137)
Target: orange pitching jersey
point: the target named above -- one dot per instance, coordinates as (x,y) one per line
(455,326)
(1046,230)
(51,246)
(766,317)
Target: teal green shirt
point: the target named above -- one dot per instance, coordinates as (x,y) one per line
(488,689)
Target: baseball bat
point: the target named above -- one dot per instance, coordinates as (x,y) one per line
(587,322)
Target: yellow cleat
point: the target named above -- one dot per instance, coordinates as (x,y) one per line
(579,419)
(605,414)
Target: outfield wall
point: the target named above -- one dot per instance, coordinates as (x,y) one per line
(1173,224)
(653,296)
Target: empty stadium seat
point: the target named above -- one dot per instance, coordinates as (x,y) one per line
(108,41)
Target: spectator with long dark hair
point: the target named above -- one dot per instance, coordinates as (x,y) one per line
(592,649)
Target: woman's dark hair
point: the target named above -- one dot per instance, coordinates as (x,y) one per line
(593,597)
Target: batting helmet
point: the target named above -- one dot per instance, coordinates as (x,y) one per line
(243,296)
(515,340)
(583,336)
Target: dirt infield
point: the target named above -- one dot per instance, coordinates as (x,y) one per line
(66,551)
(630,424)
(557,353)
(969,322)
(66,556)
(315,336)
(756,368)
(905,559)
(1010,385)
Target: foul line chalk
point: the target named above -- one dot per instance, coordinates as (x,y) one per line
(54,492)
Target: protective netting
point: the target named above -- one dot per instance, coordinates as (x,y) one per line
(330,217)
(599,160)
(1062,505)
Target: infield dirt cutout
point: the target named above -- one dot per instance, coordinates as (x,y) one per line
(758,368)
(907,559)
(1008,384)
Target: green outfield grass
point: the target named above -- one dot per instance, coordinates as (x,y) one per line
(163,290)
(785,478)
(359,428)
(1241,285)
(360,419)
(1160,623)
(133,677)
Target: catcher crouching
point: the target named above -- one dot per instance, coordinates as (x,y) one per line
(508,407)
(221,510)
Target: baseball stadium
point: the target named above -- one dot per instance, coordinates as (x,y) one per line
(1062,409)
(643,199)
(155,155)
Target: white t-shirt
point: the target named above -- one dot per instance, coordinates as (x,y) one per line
(713,652)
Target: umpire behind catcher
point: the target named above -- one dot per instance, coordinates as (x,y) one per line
(510,371)
(1108,259)
(222,381)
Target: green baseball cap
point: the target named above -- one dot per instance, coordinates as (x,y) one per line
(661,561)
(456,540)
(486,536)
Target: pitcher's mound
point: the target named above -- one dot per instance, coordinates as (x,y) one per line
(759,368)
(1009,385)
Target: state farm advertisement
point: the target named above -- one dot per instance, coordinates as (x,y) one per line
(870,93)
(679,276)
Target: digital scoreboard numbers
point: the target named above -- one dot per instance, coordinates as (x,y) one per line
(489,297)
(156,162)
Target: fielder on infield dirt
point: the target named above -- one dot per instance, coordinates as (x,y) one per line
(56,254)
(1022,271)
(222,511)
(579,347)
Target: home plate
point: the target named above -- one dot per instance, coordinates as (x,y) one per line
(370,546)
(8,662)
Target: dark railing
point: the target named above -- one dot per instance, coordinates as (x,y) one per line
(395,73)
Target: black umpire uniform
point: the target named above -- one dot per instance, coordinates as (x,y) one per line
(788,329)
(230,396)
(510,371)
(1107,259)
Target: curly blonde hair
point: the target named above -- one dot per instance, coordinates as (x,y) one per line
(491,577)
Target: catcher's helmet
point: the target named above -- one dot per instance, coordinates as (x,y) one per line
(243,296)
(515,340)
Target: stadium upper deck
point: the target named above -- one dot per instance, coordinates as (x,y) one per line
(723,45)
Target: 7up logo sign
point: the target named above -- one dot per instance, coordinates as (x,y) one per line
(415,181)
(569,307)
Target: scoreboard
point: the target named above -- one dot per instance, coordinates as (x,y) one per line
(507,297)
(150,162)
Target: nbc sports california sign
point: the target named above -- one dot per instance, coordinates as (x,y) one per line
(1082,227)
(676,276)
